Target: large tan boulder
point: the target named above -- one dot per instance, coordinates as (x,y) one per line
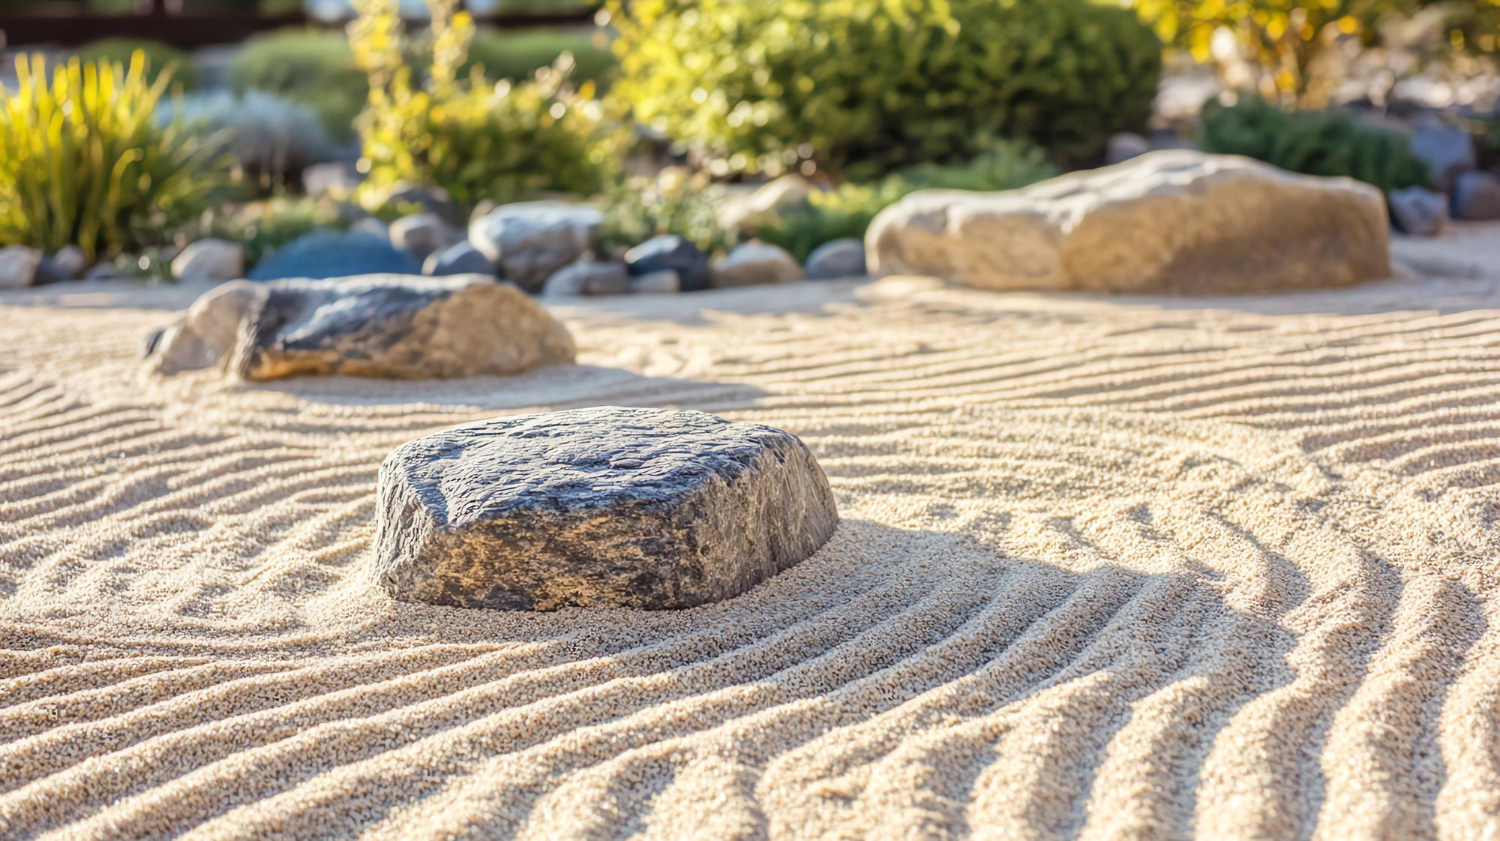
(389,326)
(1175,221)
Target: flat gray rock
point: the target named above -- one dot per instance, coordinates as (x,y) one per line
(601,507)
(528,241)
(388,326)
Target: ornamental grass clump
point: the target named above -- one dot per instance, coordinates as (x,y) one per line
(83,160)
(475,139)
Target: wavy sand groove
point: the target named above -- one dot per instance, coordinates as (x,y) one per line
(1110,568)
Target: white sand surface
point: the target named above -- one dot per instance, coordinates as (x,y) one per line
(1109,568)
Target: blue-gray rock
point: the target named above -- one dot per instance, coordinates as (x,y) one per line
(670,252)
(839,258)
(1476,195)
(1446,150)
(528,241)
(66,263)
(1418,211)
(18,265)
(603,507)
(326,254)
(1125,145)
(423,234)
(588,277)
(459,258)
(389,326)
(48,271)
(664,282)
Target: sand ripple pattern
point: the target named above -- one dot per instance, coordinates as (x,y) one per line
(1110,568)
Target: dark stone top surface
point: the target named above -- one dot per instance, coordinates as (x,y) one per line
(575,460)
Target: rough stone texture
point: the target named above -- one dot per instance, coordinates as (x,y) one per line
(390,326)
(1447,151)
(601,507)
(459,258)
(528,241)
(327,254)
(753,264)
(210,259)
(1476,195)
(1173,221)
(588,277)
(670,252)
(839,258)
(423,234)
(664,282)
(18,265)
(1419,212)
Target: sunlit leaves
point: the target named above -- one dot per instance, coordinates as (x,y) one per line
(84,161)
(871,85)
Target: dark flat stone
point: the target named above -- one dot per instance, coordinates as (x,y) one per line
(636,508)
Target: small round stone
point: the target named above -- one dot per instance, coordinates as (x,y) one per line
(616,507)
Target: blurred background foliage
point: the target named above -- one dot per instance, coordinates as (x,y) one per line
(1288,49)
(659,107)
(84,160)
(475,137)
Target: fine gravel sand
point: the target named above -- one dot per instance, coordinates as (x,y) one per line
(1109,568)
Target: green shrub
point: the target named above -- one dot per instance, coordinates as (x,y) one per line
(476,140)
(848,211)
(160,58)
(518,55)
(638,209)
(84,161)
(865,86)
(1312,142)
(313,67)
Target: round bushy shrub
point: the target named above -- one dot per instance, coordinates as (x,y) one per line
(877,84)
(159,57)
(309,66)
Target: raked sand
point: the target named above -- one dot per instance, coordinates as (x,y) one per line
(1109,568)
